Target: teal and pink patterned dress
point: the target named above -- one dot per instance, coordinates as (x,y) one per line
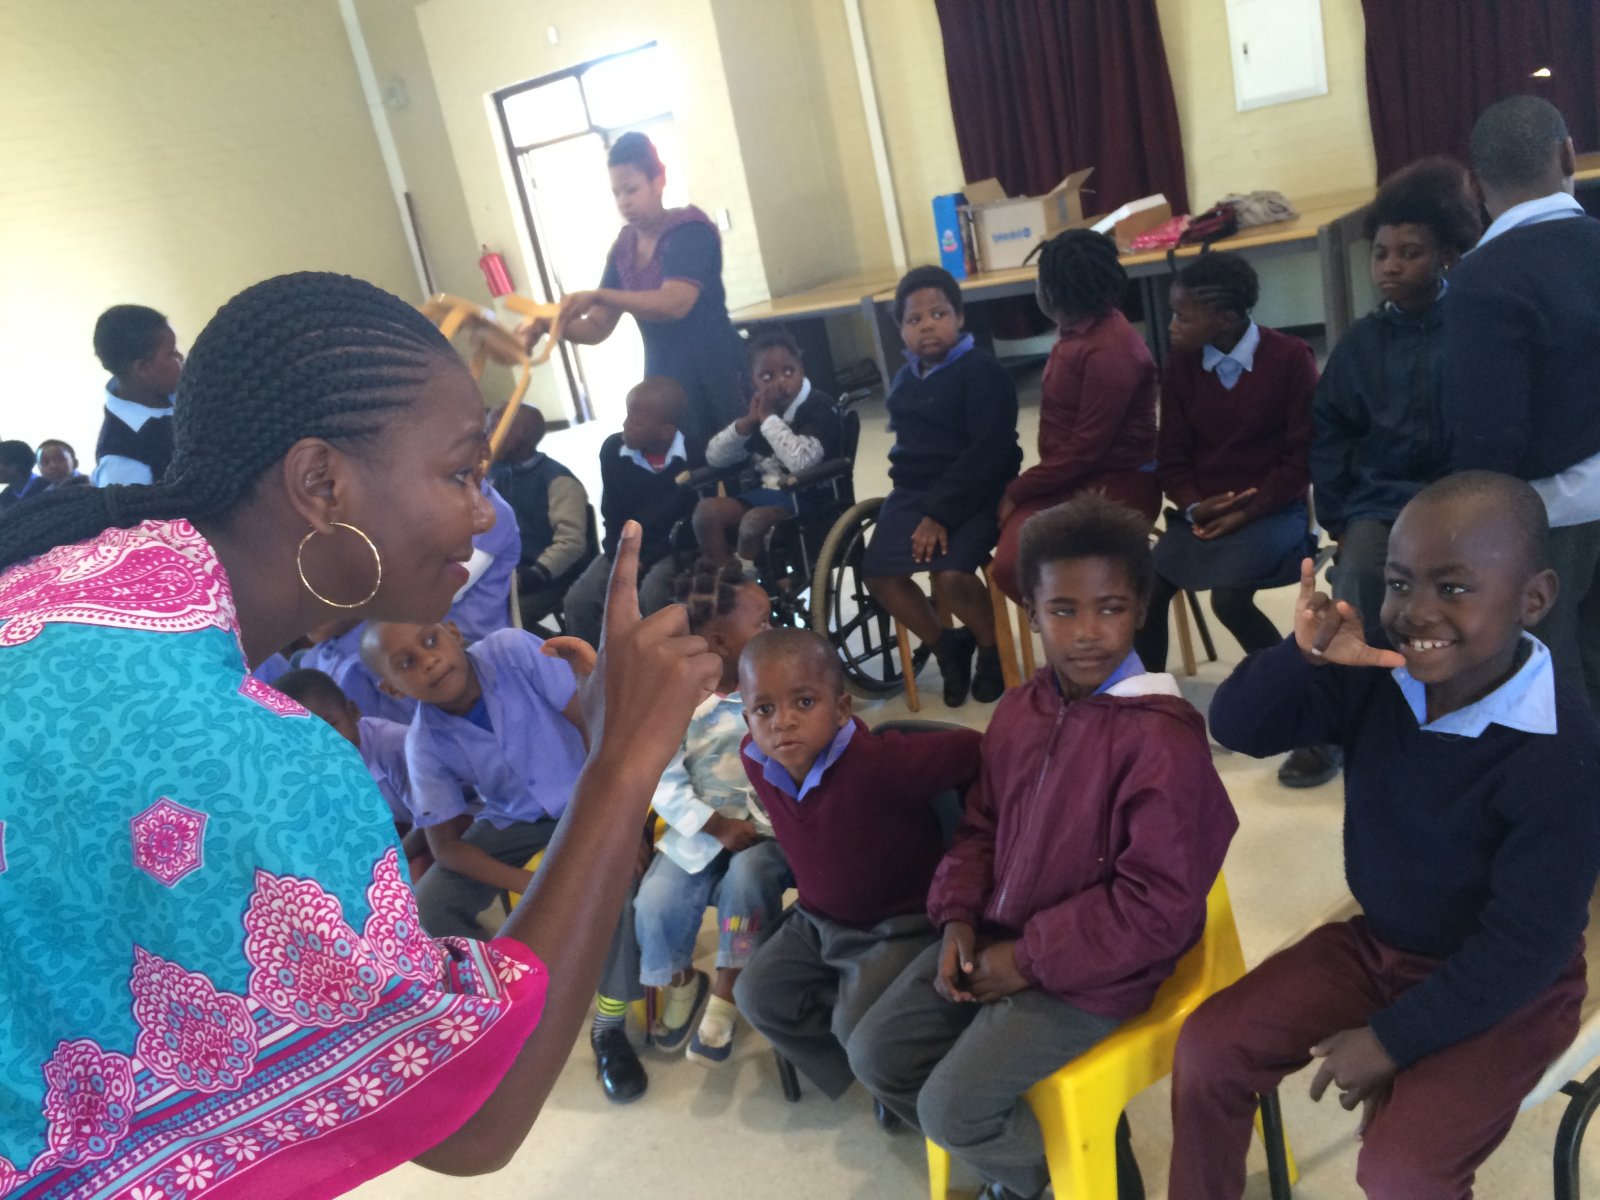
(212,978)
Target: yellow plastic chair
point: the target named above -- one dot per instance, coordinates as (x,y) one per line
(1078,1107)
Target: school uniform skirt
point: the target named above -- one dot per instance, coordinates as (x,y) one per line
(889,551)
(1264,554)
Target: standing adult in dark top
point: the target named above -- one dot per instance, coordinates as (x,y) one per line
(1522,355)
(665,269)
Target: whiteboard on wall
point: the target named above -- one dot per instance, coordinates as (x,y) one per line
(1277,51)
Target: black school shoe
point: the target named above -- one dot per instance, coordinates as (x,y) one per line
(1310,766)
(888,1120)
(621,1073)
(953,651)
(988,680)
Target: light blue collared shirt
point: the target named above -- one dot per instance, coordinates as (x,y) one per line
(777,774)
(677,450)
(118,468)
(1126,669)
(1553,207)
(1526,701)
(1228,367)
(922,372)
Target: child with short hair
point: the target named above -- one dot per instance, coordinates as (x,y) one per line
(1471,842)
(16,472)
(1380,434)
(1097,398)
(138,347)
(336,650)
(552,512)
(58,465)
(1233,457)
(639,470)
(853,811)
(381,744)
(500,717)
(717,848)
(1078,875)
(953,410)
(790,427)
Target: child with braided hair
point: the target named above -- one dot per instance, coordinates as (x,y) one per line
(718,848)
(1097,401)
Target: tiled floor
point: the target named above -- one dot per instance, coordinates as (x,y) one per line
(729,1133)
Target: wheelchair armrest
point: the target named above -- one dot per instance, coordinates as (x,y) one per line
(703,478)
(823,470)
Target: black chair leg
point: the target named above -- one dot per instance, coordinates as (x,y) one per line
(788,1077)
(1569,1137)
(1277,1154)
(1130,1183)
(1200,625)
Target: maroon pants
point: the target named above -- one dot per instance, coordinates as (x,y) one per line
(1137,489)
(1443,1115)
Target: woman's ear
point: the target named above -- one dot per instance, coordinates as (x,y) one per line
(315,481)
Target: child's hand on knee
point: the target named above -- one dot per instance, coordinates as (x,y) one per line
(1329,632)
(927,539)
(1355,1061)
(996,975)
(956,962)
(734,835)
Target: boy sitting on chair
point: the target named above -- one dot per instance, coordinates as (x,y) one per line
(853,812)
(1471,842)
(1078,876)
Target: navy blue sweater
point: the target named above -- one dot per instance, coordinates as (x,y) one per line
(652,498)
(1379,434)
(1522,350)
(1482,852)
(955,436)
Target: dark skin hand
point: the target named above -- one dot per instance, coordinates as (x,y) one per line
(1228,522)
(974,972)
(1330,632)
(734,835)
(995,975)
(957,960)
(1354,1061)
(928,540)
(1218,516)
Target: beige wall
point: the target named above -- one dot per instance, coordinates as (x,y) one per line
(476,47)
(171,153)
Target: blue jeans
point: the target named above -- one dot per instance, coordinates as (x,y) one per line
(747,889)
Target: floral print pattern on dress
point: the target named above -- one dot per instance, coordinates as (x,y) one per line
(307,964)
(190,1033)
(89,1101)
(168,840)
(270,698)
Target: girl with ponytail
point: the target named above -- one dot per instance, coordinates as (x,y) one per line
(216,976)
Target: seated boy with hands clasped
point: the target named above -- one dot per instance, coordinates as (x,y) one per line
(853,811)
(1079,874)
(1471,842)
(501,718)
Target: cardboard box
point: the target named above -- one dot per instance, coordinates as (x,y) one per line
(1133,218)
(1005,229)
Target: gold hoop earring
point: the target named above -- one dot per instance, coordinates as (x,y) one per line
(377,560)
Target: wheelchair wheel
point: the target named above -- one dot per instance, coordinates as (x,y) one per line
(844,612)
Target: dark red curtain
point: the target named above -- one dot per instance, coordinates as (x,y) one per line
(1043,87)
(1434,65)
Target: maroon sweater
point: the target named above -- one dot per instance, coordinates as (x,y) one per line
(1092,838)
(864,842)
(1097,409)
(1258,435)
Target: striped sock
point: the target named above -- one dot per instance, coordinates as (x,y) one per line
(608,1014)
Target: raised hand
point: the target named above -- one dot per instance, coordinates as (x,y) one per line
(651,672)
(1331,632)
(751,421)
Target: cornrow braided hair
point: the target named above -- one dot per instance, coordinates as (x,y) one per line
(1080,273)
(1221,281)
(304,355)
(709,591)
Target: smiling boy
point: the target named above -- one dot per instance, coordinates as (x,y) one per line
(1472,843)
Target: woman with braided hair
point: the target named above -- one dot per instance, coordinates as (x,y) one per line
(1097,400)
(214,976)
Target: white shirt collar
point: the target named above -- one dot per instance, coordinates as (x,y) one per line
(133,415)
(803,395)
(1531,212)
(1244,353)
(1526,701)
(678,449)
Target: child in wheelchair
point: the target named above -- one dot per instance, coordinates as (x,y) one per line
(953,410)
(1078,875)
(790,427)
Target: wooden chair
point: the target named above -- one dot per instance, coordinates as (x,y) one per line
(1005,636)
(486,341)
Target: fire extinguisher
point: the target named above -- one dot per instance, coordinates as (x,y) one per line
(495,274)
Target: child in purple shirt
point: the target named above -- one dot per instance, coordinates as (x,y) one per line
(502,718)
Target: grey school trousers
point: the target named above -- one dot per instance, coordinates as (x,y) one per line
(1572,628)
(449,903)
(813,980)
(957,1071)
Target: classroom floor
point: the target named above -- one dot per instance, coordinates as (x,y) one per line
(728,1132)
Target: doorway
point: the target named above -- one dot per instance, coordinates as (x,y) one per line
(558,130)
